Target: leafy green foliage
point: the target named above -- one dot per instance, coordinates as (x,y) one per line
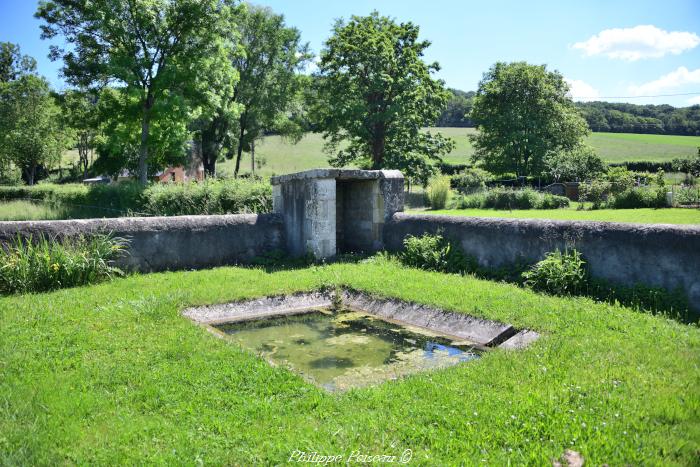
(375,93)
(578,164)
(524,116)
(270,83)
(639,197)
(438,191)
(435,253)
(161,52)
(31,134)
(595,192)
(558,274)
(508,198)
(471,180)
(13,64)
(42,264)
(457,110)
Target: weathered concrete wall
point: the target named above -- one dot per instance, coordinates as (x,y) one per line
(658,255)
(330,210)
(170,243)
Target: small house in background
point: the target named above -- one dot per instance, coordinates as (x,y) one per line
(568,189)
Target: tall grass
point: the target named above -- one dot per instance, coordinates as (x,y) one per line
(43,264)
(438,191)
(508,198)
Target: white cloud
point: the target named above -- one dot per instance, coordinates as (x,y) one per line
(582,91)
(668,82)
(632,44)
(694,100)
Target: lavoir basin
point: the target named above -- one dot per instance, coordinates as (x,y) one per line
(363,342)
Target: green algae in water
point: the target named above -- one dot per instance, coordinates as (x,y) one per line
(347,349)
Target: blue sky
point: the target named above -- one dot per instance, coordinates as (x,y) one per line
(606,48)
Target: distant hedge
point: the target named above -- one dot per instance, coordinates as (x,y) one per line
(169,199)
(644,166)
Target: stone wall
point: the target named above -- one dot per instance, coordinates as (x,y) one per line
(658,255)
(169,243)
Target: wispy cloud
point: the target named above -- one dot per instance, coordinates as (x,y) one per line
(639,42)
(581,91)
(669,82)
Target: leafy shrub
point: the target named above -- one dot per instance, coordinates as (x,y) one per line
(639,197)
(438,191)
(42,265)
(580,163)
(471,181)
(435,253)
(507,198)
(686,195)
(620,179)
(595,192)
(558,274)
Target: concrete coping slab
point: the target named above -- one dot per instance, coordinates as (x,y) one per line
(469,329)
(338,174)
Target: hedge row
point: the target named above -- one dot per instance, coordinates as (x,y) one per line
(172,199)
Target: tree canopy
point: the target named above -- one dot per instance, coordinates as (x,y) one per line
(375,93)
(523,115)
(161,51)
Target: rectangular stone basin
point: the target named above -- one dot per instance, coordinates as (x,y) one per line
(349,339)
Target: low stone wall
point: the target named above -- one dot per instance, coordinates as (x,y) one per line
(657,255)
(170,243)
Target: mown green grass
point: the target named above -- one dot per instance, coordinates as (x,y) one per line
(113,374)
(642,216)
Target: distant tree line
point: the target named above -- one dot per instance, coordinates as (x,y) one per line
(600,116)
(632,118)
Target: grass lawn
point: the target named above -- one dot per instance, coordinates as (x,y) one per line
(34,211)
(113,374)
(642,216)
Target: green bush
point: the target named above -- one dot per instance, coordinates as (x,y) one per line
(595,192)
(620,179)
(438,191)
(471,181)
(639,197)
(44,264)
(686,195)
(508,198)
(558,274)
(435,253)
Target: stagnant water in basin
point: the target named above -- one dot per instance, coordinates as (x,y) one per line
(347,349)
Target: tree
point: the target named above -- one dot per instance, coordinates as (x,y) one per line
(81,115)
(269,85)
(31,133)
(119,147)
(524,116)
(456,112)
(162,51)
(376,93)
(13,64)
(578,164)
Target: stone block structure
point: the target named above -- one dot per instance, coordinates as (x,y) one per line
(330,211)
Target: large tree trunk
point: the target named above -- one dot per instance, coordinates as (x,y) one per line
(378,143)
(143,149)
(31,173)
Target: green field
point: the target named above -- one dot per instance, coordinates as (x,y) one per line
(281,156)
(640,216)
(284,157)
(113,374)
